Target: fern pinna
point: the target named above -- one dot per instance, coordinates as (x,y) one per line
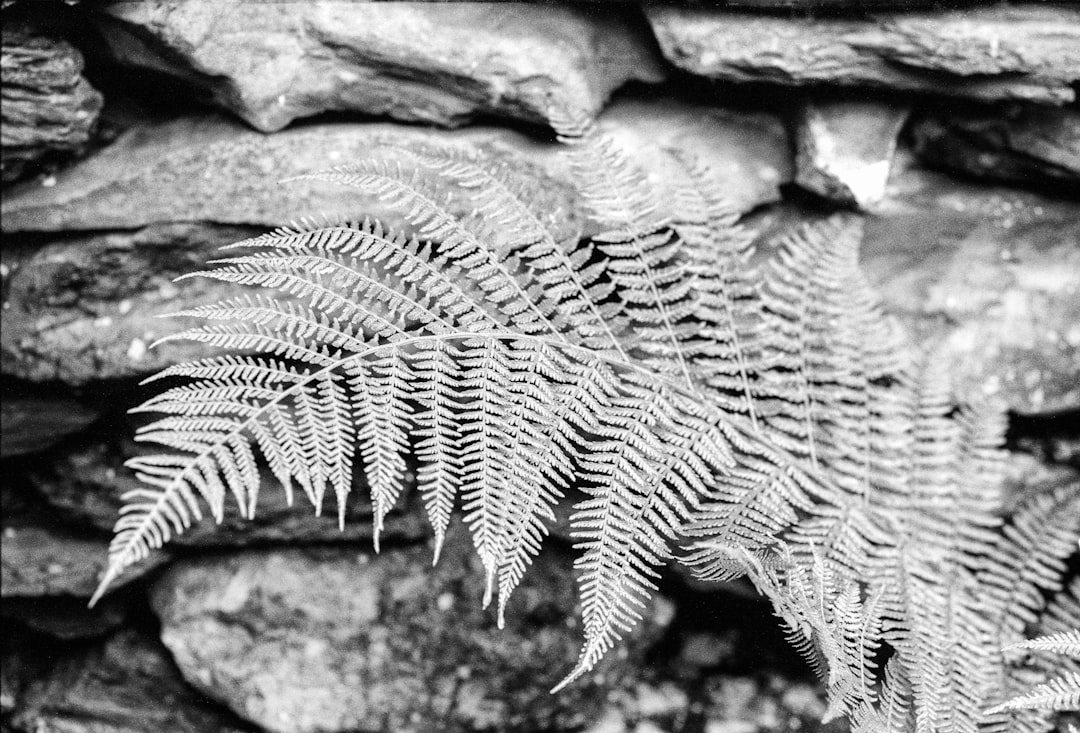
(768,420)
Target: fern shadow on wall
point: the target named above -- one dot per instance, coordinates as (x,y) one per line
(762,421)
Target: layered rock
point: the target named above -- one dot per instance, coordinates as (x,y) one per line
(844,149)
(1022,52)
(128,684)
(325,640)
(33,423)
(85,484)
(436,63)
(1032,146)
(83,307)
(47,104)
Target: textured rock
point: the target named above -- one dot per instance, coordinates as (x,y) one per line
(992,276)
(47,104)
(748,152)
(330,640)
(29,424)
(126,685)
(440,63)
(1034,146)
(844,149)
(1025,52)
(85,484)
(82,307)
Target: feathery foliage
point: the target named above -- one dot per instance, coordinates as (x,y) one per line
(769,421)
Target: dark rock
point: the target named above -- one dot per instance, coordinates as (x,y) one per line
(45,561)
(844,149)
(325,640)
(29,424)
(47,104)
(126,685)
(85,484)
(1033,146)
(65,617)
(1023,52)
(436,63)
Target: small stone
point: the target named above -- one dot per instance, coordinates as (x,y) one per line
(845,149)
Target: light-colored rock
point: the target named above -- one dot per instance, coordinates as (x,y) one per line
(1032,146)
(126,685)
(844,149)
(1023,52)
(47,104)
(991,276)
(271,63)
(328,640)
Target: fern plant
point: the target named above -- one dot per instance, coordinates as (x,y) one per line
(767,421)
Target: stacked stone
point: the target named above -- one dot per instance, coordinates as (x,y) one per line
(956,133)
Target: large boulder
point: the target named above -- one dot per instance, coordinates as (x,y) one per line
(1032,146)
(47,103)
(271,63)
(300,641)
(1021,52)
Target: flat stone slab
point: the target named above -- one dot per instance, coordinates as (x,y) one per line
(1018,52)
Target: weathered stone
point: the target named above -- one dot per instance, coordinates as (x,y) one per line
(991,277)
(1033,146)
(327,640)
(29,424)
(748,153)
(83,307)
(1023,52)
(85,484)
(436,63)
(47,104)
(65,617)
(844,149)
(126,685)
(40,561)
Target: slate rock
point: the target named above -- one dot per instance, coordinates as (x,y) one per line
(844,149)
(1032,146)
(434,63)
(85,483)
(127,684)
(1021,52)
(47,105)
(33,423)
(327,640)
(81,307)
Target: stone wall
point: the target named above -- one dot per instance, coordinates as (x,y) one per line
(138,137)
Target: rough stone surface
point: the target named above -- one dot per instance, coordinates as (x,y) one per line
(128,684)
(749,153)
(30,424)
(47,104)
(1034,146)
(327,640)
(83,307)
(437,63)
(844,149)
(85,484)
(991,276)
(1026,52)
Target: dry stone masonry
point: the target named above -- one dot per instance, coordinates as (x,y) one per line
(140,137)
